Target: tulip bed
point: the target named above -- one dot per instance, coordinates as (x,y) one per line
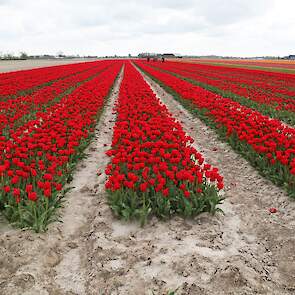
(154,170)
(21,82)
(38,158)
(15,112)
(268,144)
(273,94)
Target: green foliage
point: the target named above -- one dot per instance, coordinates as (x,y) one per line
(135,205)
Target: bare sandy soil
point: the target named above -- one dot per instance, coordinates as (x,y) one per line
(245,251)
(17,65)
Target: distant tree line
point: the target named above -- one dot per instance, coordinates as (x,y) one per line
(23,56)
(10,56)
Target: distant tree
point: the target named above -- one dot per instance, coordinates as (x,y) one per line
(23,55)
(8,56)
(60,54)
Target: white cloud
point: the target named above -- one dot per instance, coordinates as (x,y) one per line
(101,27)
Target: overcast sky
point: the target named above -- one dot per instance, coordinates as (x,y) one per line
(101,27)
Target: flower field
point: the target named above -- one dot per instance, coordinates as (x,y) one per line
(48,117)
(267,143)
(154,169)
(16,111)
(45,132)
(14,83)
(270,93)
(41,144)
(146,177)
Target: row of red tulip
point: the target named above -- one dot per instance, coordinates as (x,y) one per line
(154,169)
(13,83)
(16,112)
(243,81)
(266,143)
(39,157)
(253,90)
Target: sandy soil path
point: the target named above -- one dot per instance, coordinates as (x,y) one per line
(245,251)
(17,65)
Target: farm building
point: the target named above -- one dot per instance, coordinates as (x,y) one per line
(168,55)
